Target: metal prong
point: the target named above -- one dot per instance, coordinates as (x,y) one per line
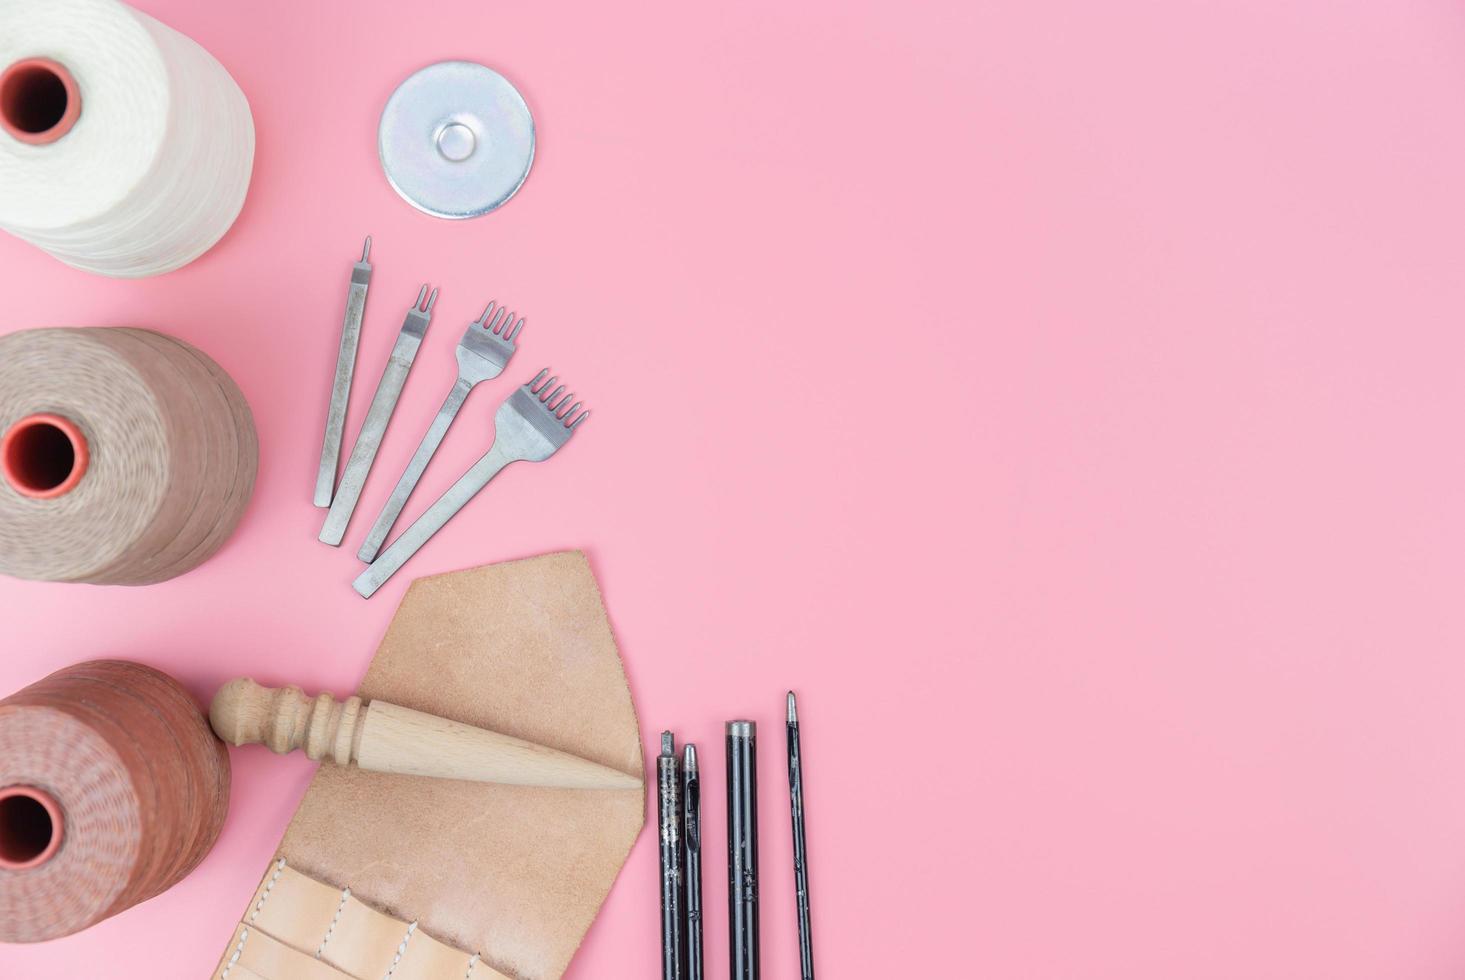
(330,451)
(515,332)
(498,321)
(378,415)
(483,320)
(431,300)
(569,411)
(575,424)
(561,403)
(549,402)
(668,743)
(520,435)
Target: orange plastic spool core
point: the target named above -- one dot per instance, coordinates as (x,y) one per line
(39,100)
(30,827)
(43,456)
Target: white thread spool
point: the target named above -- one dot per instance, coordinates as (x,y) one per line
(125,148)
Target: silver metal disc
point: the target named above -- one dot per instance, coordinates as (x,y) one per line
(456,139)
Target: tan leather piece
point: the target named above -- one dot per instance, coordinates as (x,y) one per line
(428,959)
(319,919)
(365,940)
(298,910)
(261,955)
(293,912)
(516,874)
(241,973)
(267,956)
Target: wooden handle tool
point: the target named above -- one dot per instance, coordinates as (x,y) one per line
(385,737)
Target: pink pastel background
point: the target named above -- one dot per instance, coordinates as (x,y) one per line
(1065,398)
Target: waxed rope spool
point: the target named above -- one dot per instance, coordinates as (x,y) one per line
(141,783)
(171,447)
(148,161)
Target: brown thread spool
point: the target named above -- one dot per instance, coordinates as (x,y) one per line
(112,789)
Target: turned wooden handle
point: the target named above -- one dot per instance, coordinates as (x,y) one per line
(286,718)
(385,737)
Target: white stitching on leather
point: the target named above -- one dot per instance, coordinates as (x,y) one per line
(471,964)
(269,886)
(243,935)
(400,950)
(320,950)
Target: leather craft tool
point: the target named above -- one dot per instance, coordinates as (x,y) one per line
(112,789)
(692,835)
(742,850)
(485,350)
(509,877)
(801,853)
(531,425)
(669,853)
(456,140)
(330,450)
(383,404)
(382,737)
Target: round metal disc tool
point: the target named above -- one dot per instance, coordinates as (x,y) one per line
(456,139)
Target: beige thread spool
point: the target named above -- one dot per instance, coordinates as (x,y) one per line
(127,456)
(112,789)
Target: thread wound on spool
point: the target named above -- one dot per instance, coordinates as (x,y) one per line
(153,169)
(31,827)
(171,447)
(44,455)
(39,100)
(125,753)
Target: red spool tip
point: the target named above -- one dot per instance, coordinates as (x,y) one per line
(39,100)
(43,456)
(31,827)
